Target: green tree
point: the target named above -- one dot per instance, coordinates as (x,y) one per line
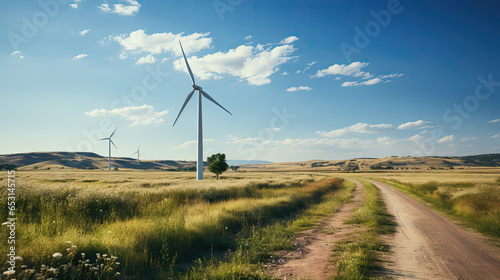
(217,164)
(235,167)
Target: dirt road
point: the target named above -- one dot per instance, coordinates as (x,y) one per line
(312,256)
(427,245)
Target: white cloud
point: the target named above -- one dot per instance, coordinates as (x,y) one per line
(365,83)
(357,128)
(284,73)
(84,32)
(416,138)
(139,42)
(309,66)
(447,139)
(414,125)
(131,9)
(248,37)
(353,69)
(254,64)
(463,140)
(494,121)
(293,89)
(74,6)
(349,84)
(191,143)
(496,136)
(288,40)
(371,81)
(18,54)
(146,59)
(80,56)
(138,115)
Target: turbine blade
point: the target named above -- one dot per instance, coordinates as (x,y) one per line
(183,106)
(187,64)
(113,132)
(213,100)
(113,143)
(103,139)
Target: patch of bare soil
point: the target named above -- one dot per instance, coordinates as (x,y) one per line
(312,255)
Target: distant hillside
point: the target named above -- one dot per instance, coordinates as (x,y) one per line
(388,163)
(244,162)
(82,160)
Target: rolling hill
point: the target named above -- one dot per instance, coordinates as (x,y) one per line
(388,163)
(84,160)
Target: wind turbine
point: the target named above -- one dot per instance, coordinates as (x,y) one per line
(109,143)
(199,163)
(138,154)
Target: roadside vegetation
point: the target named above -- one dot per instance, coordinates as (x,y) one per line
(475,204)
(357,257)
(255,246)
(95,225)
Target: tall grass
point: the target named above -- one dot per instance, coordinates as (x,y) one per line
(476,204)
(152,224)
(255,244)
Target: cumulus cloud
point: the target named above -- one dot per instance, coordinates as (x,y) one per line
(131,8)
(355,70)
(285,73)
(373,128)
(74,6)
(80,56)
(414,125)
(494,121)
(254,64)
(140,42)
(496,136)
(138,115)
(248,37)
(416,138)
(357,128)
(447,139)
(146,59)
(84,32)
(288,40)
(293,89)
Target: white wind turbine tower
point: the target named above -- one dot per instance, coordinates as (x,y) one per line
(109,143)
(138,154)
(199,163)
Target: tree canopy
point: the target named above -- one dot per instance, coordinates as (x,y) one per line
(217,164)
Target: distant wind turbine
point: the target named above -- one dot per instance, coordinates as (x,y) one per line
(199,163)
(109,143)
(138,154)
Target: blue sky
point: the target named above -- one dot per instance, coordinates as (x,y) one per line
(303,79)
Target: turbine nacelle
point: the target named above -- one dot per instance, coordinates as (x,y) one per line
(196,87)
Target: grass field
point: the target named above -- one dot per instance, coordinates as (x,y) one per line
(166,225)
(151,222)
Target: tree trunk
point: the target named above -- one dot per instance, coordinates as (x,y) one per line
(217,176)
